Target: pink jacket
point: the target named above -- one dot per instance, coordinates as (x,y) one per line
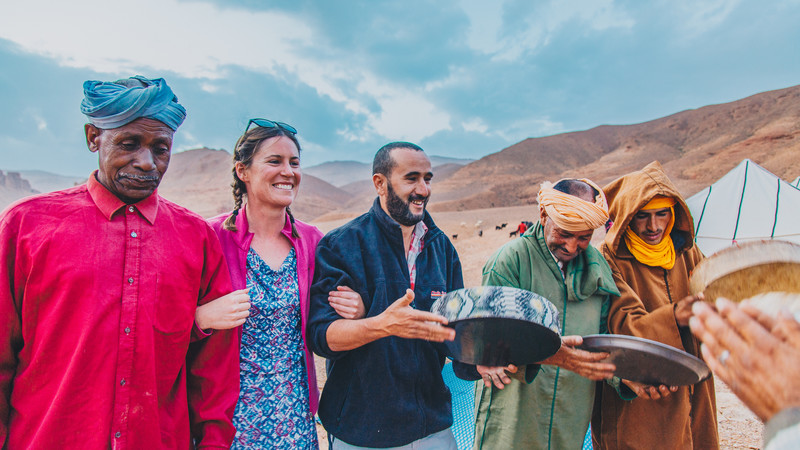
(236,244)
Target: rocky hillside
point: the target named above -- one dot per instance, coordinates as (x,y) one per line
(696,147)
(13,187)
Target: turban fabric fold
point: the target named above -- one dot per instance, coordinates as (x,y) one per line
(571,213)
(114,104)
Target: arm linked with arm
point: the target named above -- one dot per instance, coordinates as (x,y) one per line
(10,322)
(213,364)
(330,335)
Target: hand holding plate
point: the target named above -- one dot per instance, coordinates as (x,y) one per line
(584,363)
(649,392)
(496,375)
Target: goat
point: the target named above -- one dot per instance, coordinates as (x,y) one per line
(513,233)
(455,236)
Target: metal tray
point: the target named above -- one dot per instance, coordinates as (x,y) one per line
(498,341)
(647,361)
(744,270)
(498,325)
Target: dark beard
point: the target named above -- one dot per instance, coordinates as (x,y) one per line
(399,210)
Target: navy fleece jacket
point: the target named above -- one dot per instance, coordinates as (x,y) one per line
(389,392)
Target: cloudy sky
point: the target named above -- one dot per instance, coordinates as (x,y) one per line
(461,78)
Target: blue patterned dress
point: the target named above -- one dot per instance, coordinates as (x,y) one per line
(273,409)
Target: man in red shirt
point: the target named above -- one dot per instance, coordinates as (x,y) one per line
(98,288)
(521,228)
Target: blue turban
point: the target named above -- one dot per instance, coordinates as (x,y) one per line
(114,104)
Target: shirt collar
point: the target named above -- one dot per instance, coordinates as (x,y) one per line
(109,204)
(558,261)
(419,232)
(245,237)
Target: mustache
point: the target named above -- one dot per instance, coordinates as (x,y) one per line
(413,197)
(139,177)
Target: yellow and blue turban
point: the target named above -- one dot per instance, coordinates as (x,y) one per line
(117,103)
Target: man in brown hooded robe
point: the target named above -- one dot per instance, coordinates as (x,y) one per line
(650,248)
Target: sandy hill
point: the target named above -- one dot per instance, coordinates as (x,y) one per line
(13,187)
(438,161)
(340,173)
(201,179)
(48,182)
(695,147)
(349,174)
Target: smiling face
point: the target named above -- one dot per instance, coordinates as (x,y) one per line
(405,193)
(273,177)
(651,224)
(564,245)
(132,158)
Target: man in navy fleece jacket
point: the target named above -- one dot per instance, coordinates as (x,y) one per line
(384,386)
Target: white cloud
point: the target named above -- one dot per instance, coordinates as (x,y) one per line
(202,41)
(404,114)
(189,140)
(209,87)
(41,123)
(488,31)
(192,39)
(530,127)
(700,16)
(475,124)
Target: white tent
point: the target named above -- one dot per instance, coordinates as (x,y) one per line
(796,183)
(748,203)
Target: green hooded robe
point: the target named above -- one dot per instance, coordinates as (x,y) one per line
(545,407)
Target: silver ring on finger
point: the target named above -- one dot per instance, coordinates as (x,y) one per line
(723,357)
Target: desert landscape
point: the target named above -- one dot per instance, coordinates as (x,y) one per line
(471,199)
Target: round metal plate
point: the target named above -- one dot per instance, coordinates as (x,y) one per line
(742,271)
(646,361)
(498,325)
(495,341)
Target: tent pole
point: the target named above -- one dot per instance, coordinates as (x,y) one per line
(741,200)
(777,204)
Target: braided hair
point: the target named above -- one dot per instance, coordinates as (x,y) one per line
(244,151)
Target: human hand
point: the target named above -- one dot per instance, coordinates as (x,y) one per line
(683,309)
(756,356)
(347,303)
(649,392)
(496,375)
(585,363)
(223,313)
(401,320)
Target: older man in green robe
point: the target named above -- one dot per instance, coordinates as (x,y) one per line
(549,405)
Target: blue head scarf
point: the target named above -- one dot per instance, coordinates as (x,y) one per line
(114,104)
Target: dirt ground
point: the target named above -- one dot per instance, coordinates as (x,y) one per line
(477,239)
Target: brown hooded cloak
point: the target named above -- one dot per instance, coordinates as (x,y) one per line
(645,308)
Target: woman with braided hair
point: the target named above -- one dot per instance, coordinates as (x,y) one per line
(270,258)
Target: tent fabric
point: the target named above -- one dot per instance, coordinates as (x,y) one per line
(748,203)
(796,183)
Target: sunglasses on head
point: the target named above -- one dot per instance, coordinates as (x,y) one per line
(265,123)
